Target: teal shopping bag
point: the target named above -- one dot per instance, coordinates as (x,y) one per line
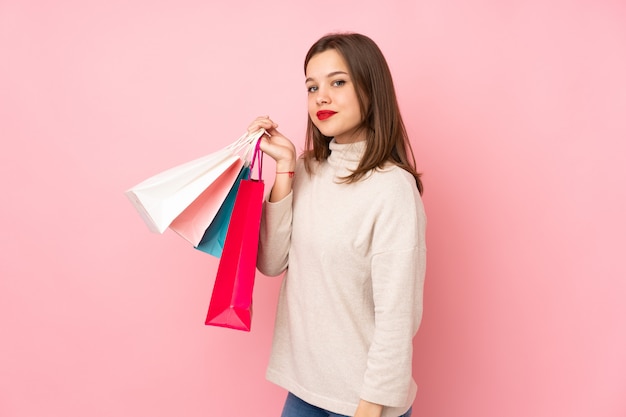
(212,241)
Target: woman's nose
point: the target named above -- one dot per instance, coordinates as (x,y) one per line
(322,99)
(322,96)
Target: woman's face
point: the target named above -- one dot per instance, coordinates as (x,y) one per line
(333,102)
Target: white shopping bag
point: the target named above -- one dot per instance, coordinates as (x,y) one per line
(162,197)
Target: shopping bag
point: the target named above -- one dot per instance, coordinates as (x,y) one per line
(231,300)
(215,235)
(194,220)
(163,197)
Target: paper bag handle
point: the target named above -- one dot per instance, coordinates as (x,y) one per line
(257,156)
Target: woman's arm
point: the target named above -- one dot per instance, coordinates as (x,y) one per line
(397,273)
(275,232)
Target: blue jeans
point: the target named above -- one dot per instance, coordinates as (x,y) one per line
(295,407)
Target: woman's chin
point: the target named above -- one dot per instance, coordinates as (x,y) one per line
(326,133)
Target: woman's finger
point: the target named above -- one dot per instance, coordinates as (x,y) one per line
(263,122)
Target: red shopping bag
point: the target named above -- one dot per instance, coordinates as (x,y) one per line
(231,300)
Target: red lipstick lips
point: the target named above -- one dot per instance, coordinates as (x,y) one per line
(325,114)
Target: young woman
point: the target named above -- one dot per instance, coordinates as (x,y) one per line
(346,224)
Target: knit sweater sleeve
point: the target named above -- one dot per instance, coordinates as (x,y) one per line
(398,269)
(275,236)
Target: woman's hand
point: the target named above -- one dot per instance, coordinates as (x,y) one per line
(368,409)
(282,150)
(275,144)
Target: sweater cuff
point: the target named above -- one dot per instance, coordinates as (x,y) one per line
(285,200)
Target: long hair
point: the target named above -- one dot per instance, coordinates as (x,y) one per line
(386,136)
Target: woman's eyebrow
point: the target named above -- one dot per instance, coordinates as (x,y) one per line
(330,75)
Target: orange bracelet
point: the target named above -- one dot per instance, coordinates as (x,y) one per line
(290,173)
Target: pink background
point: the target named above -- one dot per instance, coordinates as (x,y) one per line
(516,110)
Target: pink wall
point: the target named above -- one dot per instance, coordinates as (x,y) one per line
(516,110)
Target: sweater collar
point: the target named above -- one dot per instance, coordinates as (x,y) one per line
(346,154)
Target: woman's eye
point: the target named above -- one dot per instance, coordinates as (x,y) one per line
(311,89)
(338,83)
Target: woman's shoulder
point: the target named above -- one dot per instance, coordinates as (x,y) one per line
(392,189)
(394,178)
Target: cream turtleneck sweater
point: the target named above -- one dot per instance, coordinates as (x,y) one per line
(351,298)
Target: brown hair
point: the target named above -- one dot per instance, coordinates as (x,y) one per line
(386,136)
